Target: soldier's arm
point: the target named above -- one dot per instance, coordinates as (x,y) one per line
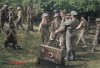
(60,29)
(80,25)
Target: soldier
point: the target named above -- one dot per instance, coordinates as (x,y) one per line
(62,34)
(63,15)
(30,17)
(97,35)
(83,27)
(70,25)
(11,18)
(4,14)
(11,38)
(19,19)
(54,26)
(44,28)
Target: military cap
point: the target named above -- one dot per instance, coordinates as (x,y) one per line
(74,13)
(55,10)
(5,5)
(18,8)
(97,20)
(42,9)
(45,14)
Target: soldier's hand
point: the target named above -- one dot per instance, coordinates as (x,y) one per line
(77,28)
(56,31)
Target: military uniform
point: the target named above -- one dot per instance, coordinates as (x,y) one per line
(11,38)
(82,26)
(4,14)
(44,29)
(71,37)
(97,34)
(19,19)
(11,18)
(55,24)
(61,30)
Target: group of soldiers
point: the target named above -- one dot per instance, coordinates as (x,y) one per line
(62,32)
(14,19)
(58,31)
(7,16)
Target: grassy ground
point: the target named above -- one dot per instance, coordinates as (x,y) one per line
(30,48)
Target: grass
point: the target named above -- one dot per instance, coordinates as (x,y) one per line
(30,49)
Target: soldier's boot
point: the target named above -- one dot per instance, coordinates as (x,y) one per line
(73,55)
(2,26)
(6,43)
(68,54)
(93,49)
(31,28)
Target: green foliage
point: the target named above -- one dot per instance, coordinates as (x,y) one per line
(50,5)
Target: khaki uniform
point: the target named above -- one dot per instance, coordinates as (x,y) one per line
(62,34)
(71,38)
(54,26)
(19,20)
(4,14)
(54,39)
(44,32)
(82,26)
(11,19)
(97,35)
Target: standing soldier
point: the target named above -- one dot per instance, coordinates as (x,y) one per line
(54,26)
(70,25)
(62,34)
(11,18)
(4,14)
(44,28)
(97,35)
(30,16)
(19,18)
(83,27)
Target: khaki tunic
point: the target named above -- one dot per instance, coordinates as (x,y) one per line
(83,27)
(71,38)
(62,34)
(54,26)
(44,32)
(97,36)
